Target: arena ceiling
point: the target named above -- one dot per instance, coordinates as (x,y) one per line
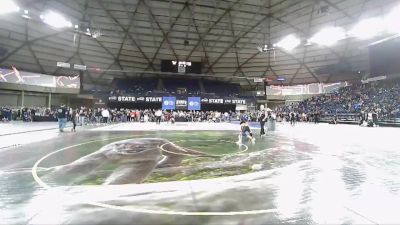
(129,38)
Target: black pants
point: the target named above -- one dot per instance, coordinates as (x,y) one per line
(158,119)
(262,124)
(74,125)
(105,119)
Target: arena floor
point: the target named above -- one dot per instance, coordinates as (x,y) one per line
(307,174)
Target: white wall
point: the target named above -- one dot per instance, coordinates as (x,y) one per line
(9,99)
(32,100)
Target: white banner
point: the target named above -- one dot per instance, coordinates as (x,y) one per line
(15,76)
(373,79)
(306,89)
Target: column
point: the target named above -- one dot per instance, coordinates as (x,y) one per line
(160,84)
(22,98)
(49,102)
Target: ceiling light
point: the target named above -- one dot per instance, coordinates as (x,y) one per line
(368,28)
(391,21)
(8,6)
(56,20)
(289,42)
(26,11)
(328,36)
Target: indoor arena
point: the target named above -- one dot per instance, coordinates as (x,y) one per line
(192,112)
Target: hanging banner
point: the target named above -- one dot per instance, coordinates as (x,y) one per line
(15,76)
(194,103)
(134,99)
(239,101)
(181,104)
(124,99)
(152,99)
(216,100)
(168,103)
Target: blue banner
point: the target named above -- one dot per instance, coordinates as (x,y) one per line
(194,103)
(168,103)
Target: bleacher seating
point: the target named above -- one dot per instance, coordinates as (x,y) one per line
(221,88)
(142,86)
(148,87)
(380,97)
(191,85)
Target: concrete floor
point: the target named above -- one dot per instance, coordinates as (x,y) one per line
(333,174)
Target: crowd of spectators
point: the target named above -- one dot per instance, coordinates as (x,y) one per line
(150,115)
(8,113)
(89,116)
(382,98)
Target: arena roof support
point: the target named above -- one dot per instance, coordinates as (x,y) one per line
(127,32)
(30,48)
(191,9)
(305,47)
(166,34)
(209,29)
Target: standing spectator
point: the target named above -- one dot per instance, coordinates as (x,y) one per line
(158,116)
(132,113)
(73,119)
(62,115)
(82,115)
(137,118)
(98,116)
(105,114)
(226,115)
(292,118)
(262,119)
